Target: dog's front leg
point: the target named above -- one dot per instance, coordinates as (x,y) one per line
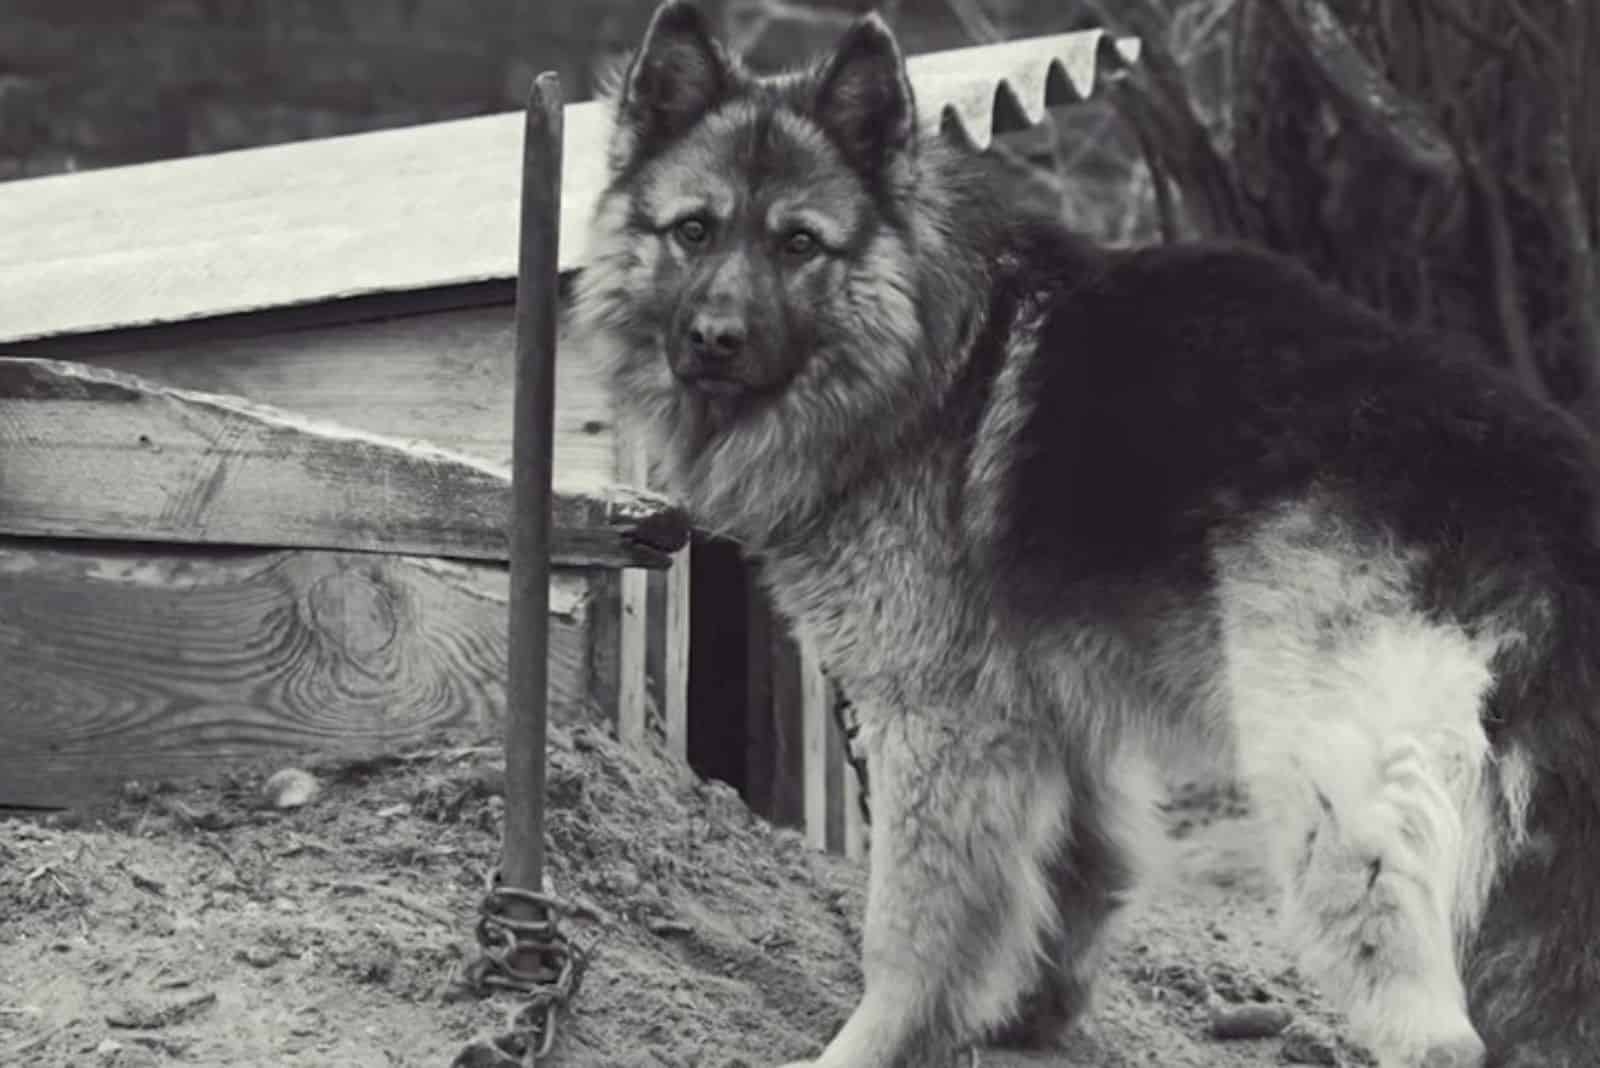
(967,816)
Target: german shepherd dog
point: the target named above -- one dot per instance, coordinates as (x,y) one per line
(1058,516)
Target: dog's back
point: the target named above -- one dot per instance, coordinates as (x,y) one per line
(1399,545)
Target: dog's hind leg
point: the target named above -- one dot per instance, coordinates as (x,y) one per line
(1367,757)
(1091,878)
(967,818)
(1371,904)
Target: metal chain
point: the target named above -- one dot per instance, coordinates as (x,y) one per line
(530,957)
(844,715)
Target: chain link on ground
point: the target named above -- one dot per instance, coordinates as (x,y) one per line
(530,957)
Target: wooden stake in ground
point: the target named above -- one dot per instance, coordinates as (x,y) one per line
(522,852)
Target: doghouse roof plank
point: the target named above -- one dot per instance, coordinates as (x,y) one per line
(97,454)
(392,211)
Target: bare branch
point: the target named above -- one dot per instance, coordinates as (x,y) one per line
(1583,282)
(1166,211)
(1163,154)
(1504,283)
(1170,124)
(1364,95)
(745,23)
(1449,12)
(975,21)
(1069,157)
(1054,180)
(1541,38)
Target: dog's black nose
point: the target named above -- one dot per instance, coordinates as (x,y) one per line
(717,338)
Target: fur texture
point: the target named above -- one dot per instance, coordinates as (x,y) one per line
(1055,514)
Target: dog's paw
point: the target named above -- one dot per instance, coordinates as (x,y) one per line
(1467,1051)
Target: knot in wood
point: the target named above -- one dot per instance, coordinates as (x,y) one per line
(355,611)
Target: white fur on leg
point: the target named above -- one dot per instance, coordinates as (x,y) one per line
(1370,910)
(1359,735)
(965,816)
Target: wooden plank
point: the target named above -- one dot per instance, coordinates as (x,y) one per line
(855,829)
(442,377)
(786,717)
(134,663)
(656,610)
(633,706)
(816,717)
(633,710)
(91,453)
(838,774)
(604,669)
(420,207)
(391,210)
(670,590)
(846,830)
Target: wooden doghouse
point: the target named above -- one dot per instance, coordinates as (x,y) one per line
(254,428)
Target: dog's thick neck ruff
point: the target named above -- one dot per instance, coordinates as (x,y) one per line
(848,354)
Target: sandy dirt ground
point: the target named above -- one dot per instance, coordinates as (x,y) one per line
(201,925)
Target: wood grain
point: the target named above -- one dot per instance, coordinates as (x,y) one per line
(604,666)
(91,453)
(443,377)
(133,663)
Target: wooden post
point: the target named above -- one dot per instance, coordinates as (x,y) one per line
(633,698)
(655,630)
(522,850)
(816,717)
(674,632)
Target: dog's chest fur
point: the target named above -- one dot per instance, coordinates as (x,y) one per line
(885,593)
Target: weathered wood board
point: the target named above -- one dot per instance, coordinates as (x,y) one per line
(670,604)
(655,629)
(822,787)
(123,662)
(441,376)
(91,453)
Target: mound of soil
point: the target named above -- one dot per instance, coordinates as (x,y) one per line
(202,925)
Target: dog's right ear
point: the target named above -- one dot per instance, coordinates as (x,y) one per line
(864,98)
(678,74)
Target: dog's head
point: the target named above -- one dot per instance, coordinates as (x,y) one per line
(759,263)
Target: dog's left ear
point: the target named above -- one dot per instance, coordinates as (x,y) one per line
(864,98)
(678,75)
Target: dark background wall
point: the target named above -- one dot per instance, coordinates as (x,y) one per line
(88,83)
(91,83)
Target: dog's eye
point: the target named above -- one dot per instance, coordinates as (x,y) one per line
(692,232)
(801,244)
